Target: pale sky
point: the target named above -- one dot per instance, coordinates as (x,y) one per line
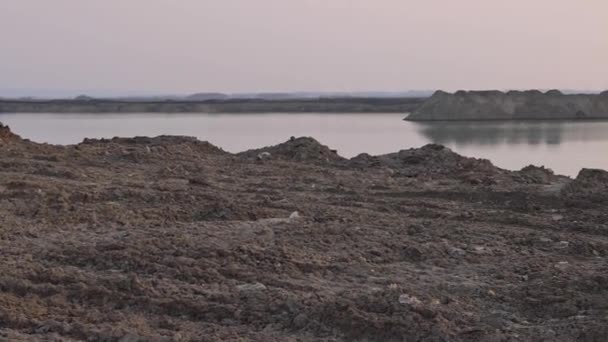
(182,46)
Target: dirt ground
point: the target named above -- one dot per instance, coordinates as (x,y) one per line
(173,239)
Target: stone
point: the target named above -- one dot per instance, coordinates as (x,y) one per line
(407,299)
(251,287)
(456,252)
(264,156)
(300,321)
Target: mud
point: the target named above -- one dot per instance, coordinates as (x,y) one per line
(173,239)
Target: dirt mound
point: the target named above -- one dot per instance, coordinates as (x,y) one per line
(429,160)
(365,160)
(6,135)
(590,185)
(160,141)
(296,149)
(163,139)
(536,175)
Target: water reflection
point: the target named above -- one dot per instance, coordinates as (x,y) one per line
(509,133)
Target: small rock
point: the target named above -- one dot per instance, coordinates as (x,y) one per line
(264,155)
(414,229)
(251,287)
(562,265)
(557,217)
(480,250)
(412,254)
(148,149)
(563,244)
(417,306)
(409,300)
(544,240)
(467,214)
(456,252)
(300,321)
(294,215)
(425,312)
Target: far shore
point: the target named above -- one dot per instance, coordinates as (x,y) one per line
(317,105)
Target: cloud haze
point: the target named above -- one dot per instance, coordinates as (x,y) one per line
(287,45)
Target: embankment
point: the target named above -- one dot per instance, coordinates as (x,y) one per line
(512,105)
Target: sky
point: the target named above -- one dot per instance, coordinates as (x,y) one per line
(185,46)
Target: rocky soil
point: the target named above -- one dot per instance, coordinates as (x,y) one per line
(173,239)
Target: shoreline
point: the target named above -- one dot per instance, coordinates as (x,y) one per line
(464,137)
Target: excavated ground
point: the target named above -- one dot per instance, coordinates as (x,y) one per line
(173,239)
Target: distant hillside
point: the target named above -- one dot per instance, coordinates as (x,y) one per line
(206,97)
(497,105)
(85,104)
(47,94)
(306,95)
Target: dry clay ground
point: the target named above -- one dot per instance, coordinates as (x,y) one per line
(173,239)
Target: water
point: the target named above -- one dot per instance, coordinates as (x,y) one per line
(565,147)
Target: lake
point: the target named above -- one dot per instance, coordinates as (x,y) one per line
(564,146)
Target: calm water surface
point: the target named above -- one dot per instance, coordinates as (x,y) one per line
(565,147)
